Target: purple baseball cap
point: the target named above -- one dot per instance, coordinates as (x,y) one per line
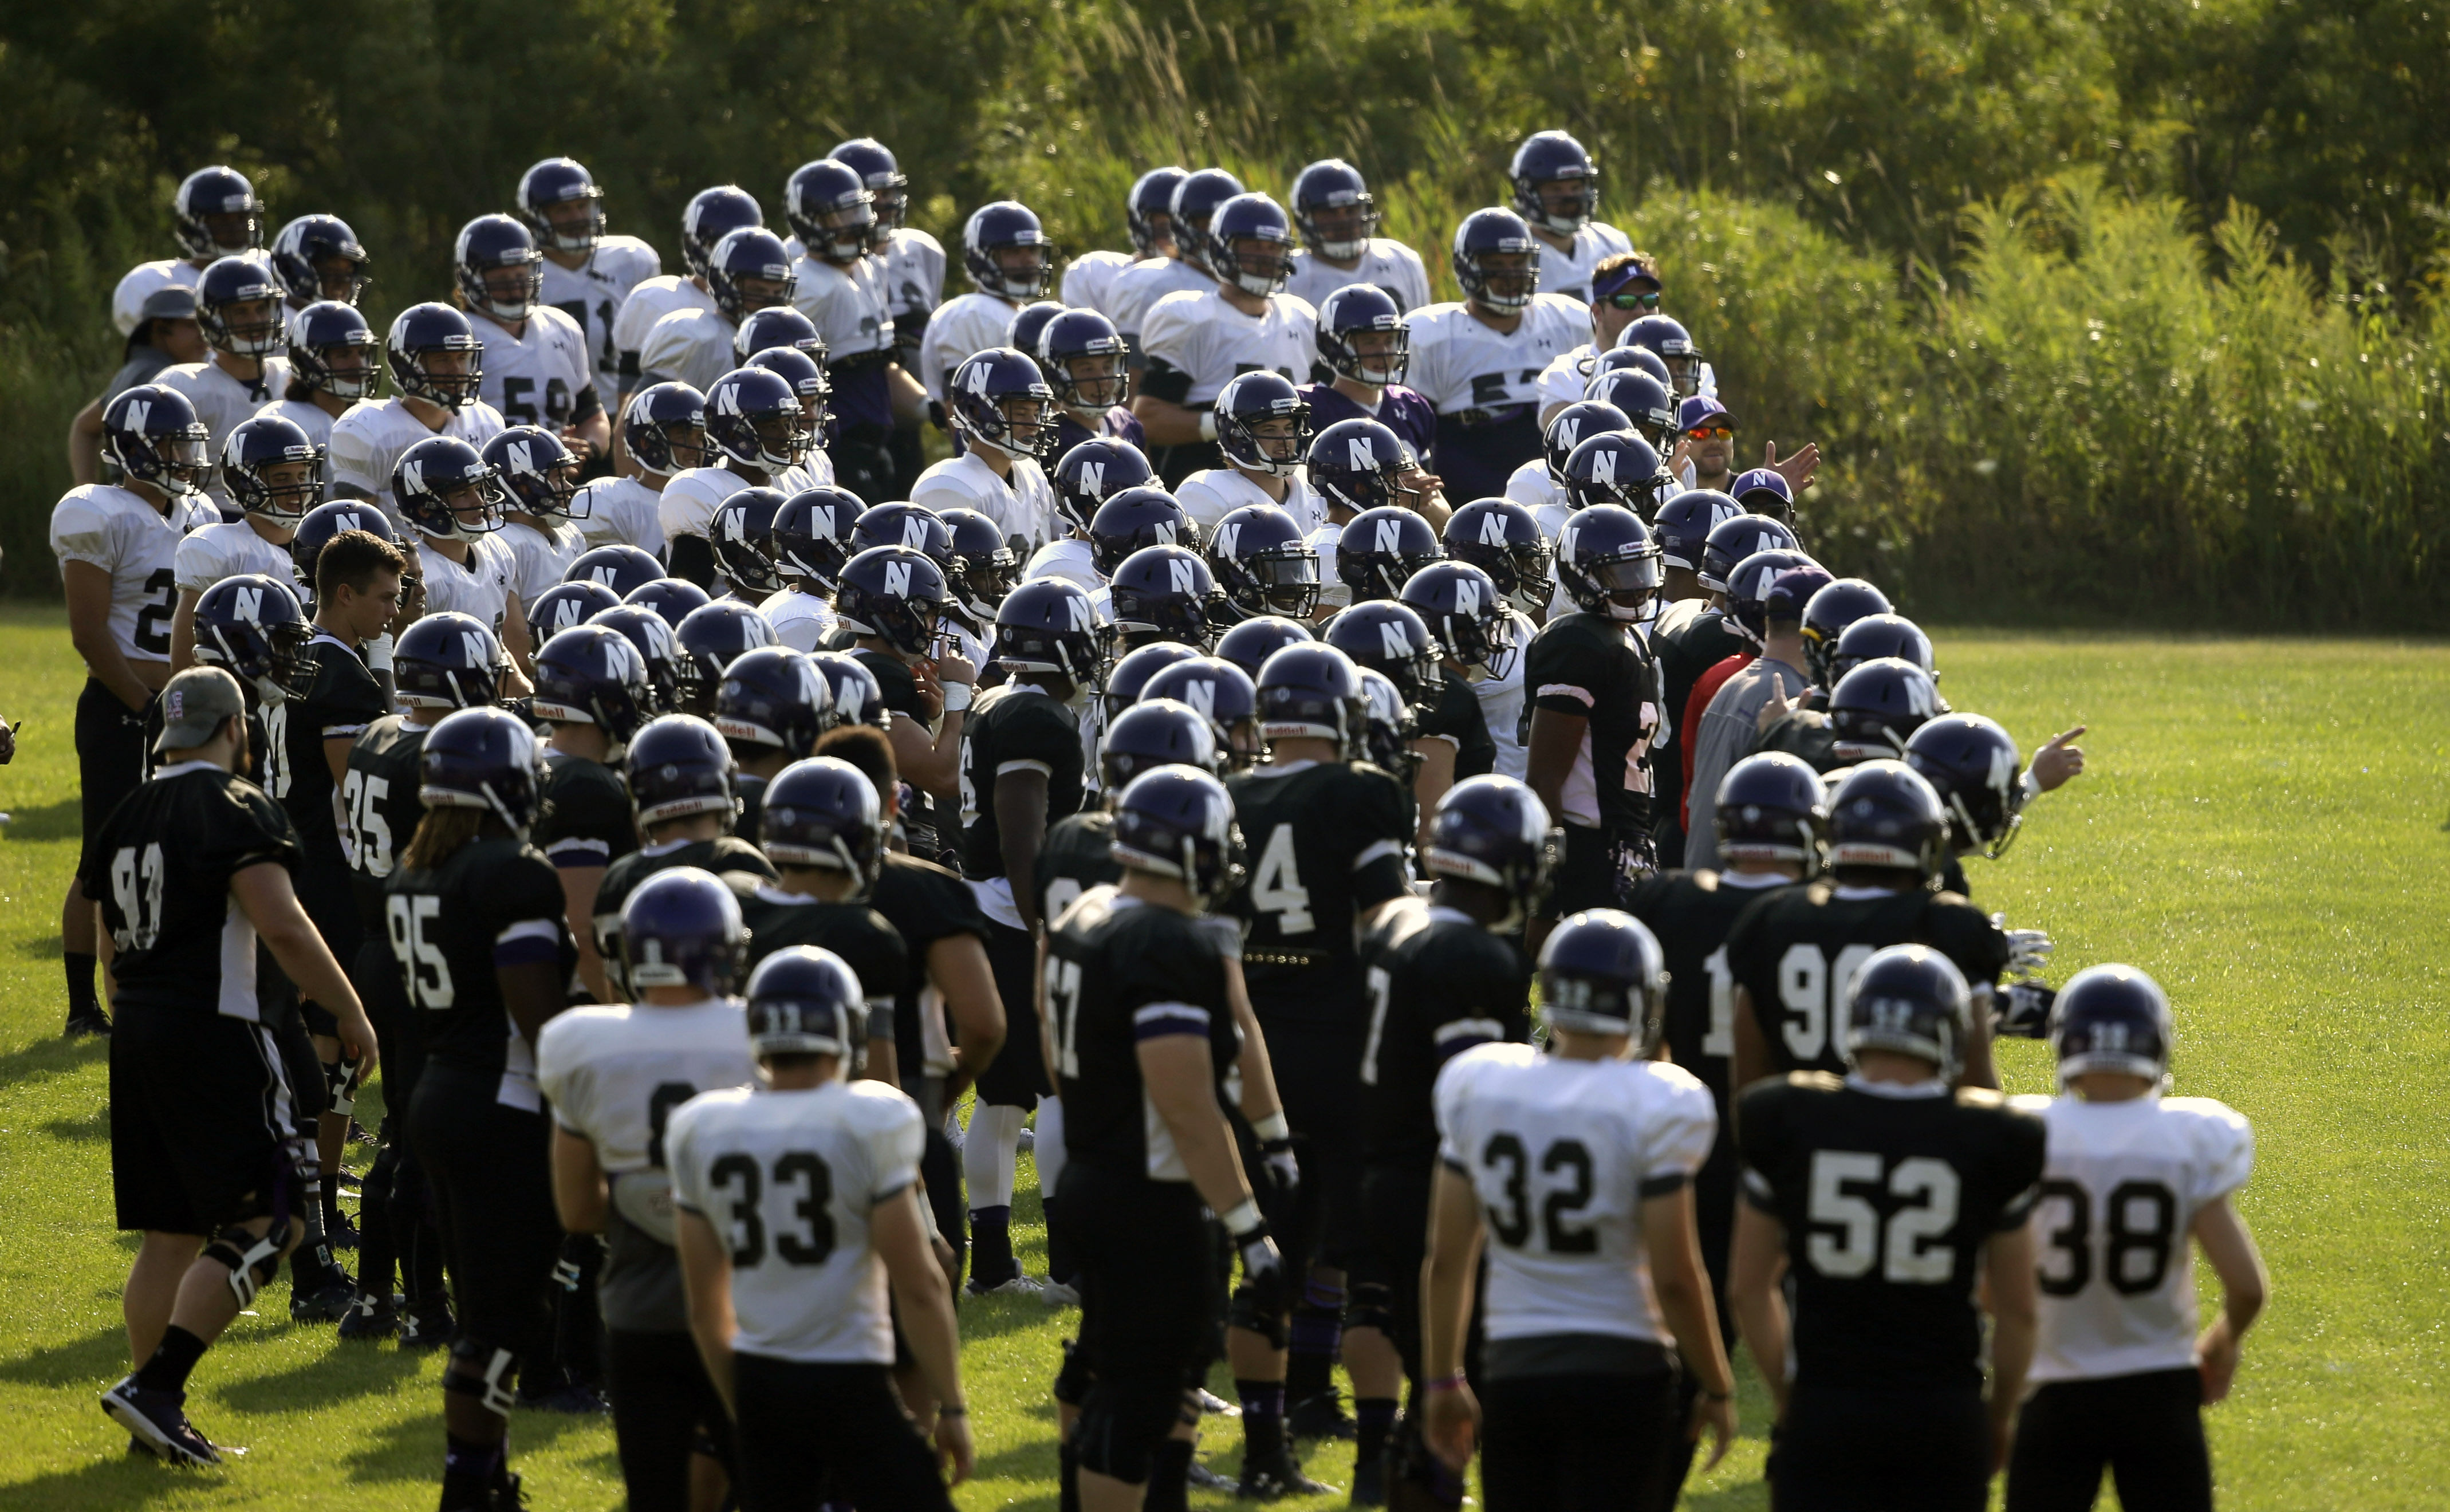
(1759,480)
(1702,409)
(1793,589)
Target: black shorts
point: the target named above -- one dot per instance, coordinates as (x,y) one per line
(809,1431)
(111,755)
(1150,1291)
(1855,1449)
(1016,1076)
(1589,873)
(662,1401)
(1319,1078)
(488,1168)
(1391,1243)
(202,1126)
(2145,1429)
(323,891)
(1527,1464)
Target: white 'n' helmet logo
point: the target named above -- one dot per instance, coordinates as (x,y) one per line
(1093,479)
(139,411)
(1083,613)
(897,579)
(850,701)
(2003,768)
(727,399)
(914,531)
(1603,467)
(1164,532)
(1918,696)
(1392,643)
(520,459)
(1226,538)
(1566,541)
(411,477)
(735,521)
(1184,576)
(249,603)
(1361,457)
(473,646)
(1201,695)
(1570,433)
(1467,596)
(1492,529)
(1389,535)
(975,380)
(603,575)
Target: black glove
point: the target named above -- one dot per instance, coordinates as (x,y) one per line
(2025,1010)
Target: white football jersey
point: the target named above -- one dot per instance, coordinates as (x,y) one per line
(368,440)
(307,415)
(1531,486)
(1501,702)
(592,295)
(138,545)
(535,377)
(1563,381)
(1386,264)
(914,272)
(961,328)
(1213,493)
(1089,281)
(483,587)
(539,556)
(221,402)
(1068,559)
(789,1179)
(846,305)
(620,512)
(800,621)
(1138,288)
(2119,1197)
(1200,335)
(142,283)
(1023,504)
(616,1075)
(1569,273)
(648,303)
(1458,363)
(1563,1153)
(688,503)
(687,346)
(227,549)
(1331,592)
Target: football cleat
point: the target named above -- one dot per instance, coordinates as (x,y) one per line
(330,1300)
(95,1024)
(1370,1482)
(425,1326)
(1020,1284)
(1320,1417)
(1056,1294)
(1272,1482)
(157,1422)
(370,1319)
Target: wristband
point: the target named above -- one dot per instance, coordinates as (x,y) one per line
(1208,425)
(957,697)
(1271,1129)
(1244,1220)
(953,1410)
(1447,1382)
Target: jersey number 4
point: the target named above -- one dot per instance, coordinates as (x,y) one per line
(1276,887)
(1911,1245)
(814,1240)
(422,963)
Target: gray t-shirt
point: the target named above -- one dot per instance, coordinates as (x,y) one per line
(1725,735)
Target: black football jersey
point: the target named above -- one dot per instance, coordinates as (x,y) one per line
(1691,913)
(865,940)
(1593,668)
(1687,651)
(379,795)
(1118,972)
(585,817)
(1438,984)
(1795,949)
(1017,726)
(1454,712)
(1326,842)
(1887,1201)
(343,698)
(495,901)
(898,691)
(926,904)
(1078,854)
(723,854)
(161,867)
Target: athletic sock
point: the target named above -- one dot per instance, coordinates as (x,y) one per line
(1316,1334)
(80,967)
(1067,1478)
(1169,1481)
(1263,1421)
(174,1359)
(991,1261)
(469,1470)
(1373,1420)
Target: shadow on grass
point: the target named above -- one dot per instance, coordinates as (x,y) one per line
(48,947)
(94,1128)
(122,1480)
(64,820)
(52,1054)
(412,1449)
(95,1360)
(346,1370)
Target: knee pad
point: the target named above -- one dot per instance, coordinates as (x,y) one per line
(1243,1312)
(490,1381)
(1122,1423)
(252,1261)
(1073,1380)
(1373,1306)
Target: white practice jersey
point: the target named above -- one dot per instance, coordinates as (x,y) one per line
(1068,559)
(1023,504)
(1458,363)
(592,293)
(1386,264)
(1563,381)
(307,415)
(1208,340)
(914,272)
(617,1074)
(227,549)
(620,512)
(2110,1233)
(142,283)
(648,303)
(1138,288)
(1089,281)
(846,305)
(536,376)
(1501,702)
(687,346)
(800,621)
(961,328)
(1323,544)
(222,401)
(1569,273)
(787,1180)
(1531,486)
(688,503)
(483,587)
(1533,1133)
(138,545)
(540,556)
(1213,493)
(368,440)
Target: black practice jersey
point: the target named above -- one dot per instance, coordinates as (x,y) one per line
(1326,843)
(161,867)
(343,698)
(1453,712)
(724,853)
(1690,649)
(1795,949)
(1118,972)
(898,691)
(1593,668)
(1078,854)
(1887,1202)
(1439,984)
(495,903)
(1691,912)
(585,819)
(926,904)
(379,794)
(865,940)
(1017,727)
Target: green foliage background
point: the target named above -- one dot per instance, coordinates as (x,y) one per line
(2100,312)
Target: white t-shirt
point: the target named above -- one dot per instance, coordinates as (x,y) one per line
(620,512)
(1023,504)
(592,293)
(1388,264)
(307,415)
(1635,1121)
(1323,543)
(1068,559)
(846,305)
(800,621)
(815,1290)
(914,272)
(227,549)
(1137,289)
(1213,493)
(961,328)
(690,346)
(648,303)
(1569,273)
(1459,363)
(222,401)
(540,557)
(368,440)
(1501,702)
(688,503)
(1531,486)
(611,1070)
(143,282)
(535,377)
(1089,281)
(483,587)
(116,530)
(1201,336)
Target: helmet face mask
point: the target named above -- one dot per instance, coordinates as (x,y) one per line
(560,204)
(433,356)
(345,369)
(1262,423)
(215,214)
(1363,336)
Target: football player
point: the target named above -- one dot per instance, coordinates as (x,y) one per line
(1538,485)
(1003,410)
(1501,539)
(891,599)
(1355,465)
(317,259)
(709,638)
(593,694)
(275,474)
(1264,565)
(1084,358)
(1223,693)
(118,545)
(710,216)
(680,791)
(811,535)
(913,275)
(2122,1376)
(1261,426)
(1447,738)
(841,287)
(1579,1164)
(1183,266)
(1338,222)
(615,1075)
(1195,342)
(200,1158)
(1010,260)
(588,273)
(476,926)
(538,367)
(1732,720)
(214,215)
(1148,215)
(331,365)
(1483,643)
(755,424)
(1624,287)
(1365,342)
(745,272)
(828,846)
(799,1221)
(1894,1204)
(769,709)
(450,499)
(1077,852)
(662,434)
(539,478)
(237,306)
(1478,362)
(436,362)
(1557,191)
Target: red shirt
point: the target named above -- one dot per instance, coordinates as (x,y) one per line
(1705,689)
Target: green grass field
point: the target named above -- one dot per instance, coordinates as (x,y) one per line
(2263,828)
